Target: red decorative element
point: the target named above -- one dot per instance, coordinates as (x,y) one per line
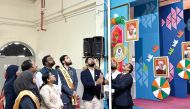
(113,21)
(180,34)
(155,48)
(120,65)
(116,35)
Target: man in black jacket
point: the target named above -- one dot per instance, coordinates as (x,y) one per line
(122,85)
(92,80)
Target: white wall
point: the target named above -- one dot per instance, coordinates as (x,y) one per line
(67,37)
(14,23)
(13,33)
(16,10)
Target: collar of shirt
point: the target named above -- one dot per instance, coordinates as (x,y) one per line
(114,74)
(124,73)
(68,68)
(92,73)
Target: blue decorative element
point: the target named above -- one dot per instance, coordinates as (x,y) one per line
(145,78)
(115,3)
(147,13)
(105,38)
(171,44)
(106,47)
(138,71)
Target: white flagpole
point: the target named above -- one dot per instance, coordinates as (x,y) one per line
(109,52)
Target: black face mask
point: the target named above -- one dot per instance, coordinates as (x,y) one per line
(68,63)
(113,67)
(91,65)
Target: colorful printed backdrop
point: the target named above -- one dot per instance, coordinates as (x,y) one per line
(171,36)
(146,48)
(118,30)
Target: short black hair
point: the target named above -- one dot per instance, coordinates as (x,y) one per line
(62,58)
(45,76)
(44,59)
(26,65)
(86,60)
(131,68)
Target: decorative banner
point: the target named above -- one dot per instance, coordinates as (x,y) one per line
(132,30)
(183,69)
(117,35)
(160,88)
(185,49)
(147,13)
(119,15)
(171,72)
(161,66)
(173,19)
(119,52)
(171,36)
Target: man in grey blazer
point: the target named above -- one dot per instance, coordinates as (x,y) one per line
(69,81)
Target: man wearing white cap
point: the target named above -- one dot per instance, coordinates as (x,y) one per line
(160,69)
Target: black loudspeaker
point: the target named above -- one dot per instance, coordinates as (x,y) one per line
(87,46)
(98,46)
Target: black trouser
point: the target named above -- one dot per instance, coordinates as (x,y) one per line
(113,105)
(68,106)
(124,107)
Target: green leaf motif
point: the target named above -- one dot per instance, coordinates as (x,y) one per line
(145,67)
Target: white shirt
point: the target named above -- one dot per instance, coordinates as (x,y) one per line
(92,73)
(114,74)
(106,87)
(39,81)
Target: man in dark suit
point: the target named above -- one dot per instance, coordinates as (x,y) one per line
(69,82)
(92,80)
(122,85)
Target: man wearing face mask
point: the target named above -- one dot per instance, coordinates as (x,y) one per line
(92,80)
(69,82)
(48,63)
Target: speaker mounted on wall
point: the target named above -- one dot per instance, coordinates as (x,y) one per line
(98,46)
(87,46)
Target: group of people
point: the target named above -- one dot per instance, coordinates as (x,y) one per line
(50,88)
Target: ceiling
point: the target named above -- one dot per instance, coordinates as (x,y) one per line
(18,1)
